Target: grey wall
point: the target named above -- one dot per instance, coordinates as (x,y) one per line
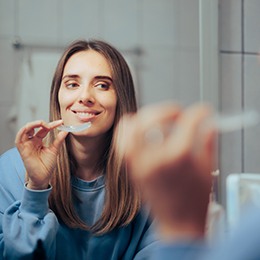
(239,82)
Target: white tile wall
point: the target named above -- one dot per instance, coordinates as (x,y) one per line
(251,25)
(80,19)
(230,82)
(252,97)
(160,25)
(252,81)
(121,22)
(187,23)
(171,51)
(160,75)
(189,85)
(240,79)
(230,20)
(6,127)
(8,72)
(7,17)
(38,21)
(230,153)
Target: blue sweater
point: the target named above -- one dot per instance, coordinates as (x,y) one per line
(26,217)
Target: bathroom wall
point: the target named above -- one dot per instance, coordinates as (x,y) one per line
(239,83)
(165,33)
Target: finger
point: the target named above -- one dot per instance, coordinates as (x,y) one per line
(55,123)
(46,128)
(22,136)
(58,141)
(27,132)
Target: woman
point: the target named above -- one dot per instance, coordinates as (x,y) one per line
(77,198)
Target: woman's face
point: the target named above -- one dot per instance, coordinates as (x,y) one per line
(87,93)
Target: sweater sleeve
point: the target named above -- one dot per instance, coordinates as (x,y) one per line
(25,216)
(27,221)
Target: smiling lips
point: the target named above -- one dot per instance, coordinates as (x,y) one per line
(85,116)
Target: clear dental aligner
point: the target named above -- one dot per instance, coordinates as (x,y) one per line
(229,123)
(74,129)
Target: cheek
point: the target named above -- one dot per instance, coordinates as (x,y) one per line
(64,100)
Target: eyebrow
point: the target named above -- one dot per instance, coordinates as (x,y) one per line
(104,77)
(75,76)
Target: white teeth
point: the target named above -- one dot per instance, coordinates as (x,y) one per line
(85,114)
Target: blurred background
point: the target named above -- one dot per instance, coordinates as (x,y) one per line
(181,50)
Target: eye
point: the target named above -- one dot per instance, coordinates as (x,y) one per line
(104,86)
(71,84)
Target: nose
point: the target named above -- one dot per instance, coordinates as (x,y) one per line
(86,95)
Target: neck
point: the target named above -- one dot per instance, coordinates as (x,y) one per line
(88,155)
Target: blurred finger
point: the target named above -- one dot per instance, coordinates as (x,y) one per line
(152,123)
(158,114)
(184,138)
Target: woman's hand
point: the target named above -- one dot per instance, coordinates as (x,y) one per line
(170,154)
(38,159)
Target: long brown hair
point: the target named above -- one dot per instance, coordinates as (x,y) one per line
(122,201)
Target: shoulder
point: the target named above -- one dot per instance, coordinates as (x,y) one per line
(142,217)
(9,154)
(11,167)
(144,237)
(144,226)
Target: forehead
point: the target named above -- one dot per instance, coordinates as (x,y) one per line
(88,61)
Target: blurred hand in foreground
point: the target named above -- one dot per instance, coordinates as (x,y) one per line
(170,153)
